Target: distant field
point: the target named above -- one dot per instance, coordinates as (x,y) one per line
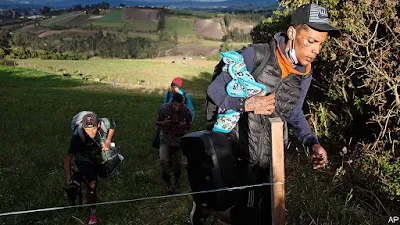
(114,19)
(61,19)
(113,16)
(130,14)
(180,25)
(152,36)
(148,74)
(216,44)
(69,33)
(80,21)
(210,28)
(141,26)
(108,25)
(193,13)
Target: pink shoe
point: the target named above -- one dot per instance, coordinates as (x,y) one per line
(93,219)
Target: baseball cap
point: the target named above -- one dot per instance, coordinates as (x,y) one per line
(316,17)
(177,82)
(90,120)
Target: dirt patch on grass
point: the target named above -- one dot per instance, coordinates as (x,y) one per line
(95,17)
(72,32)
(192,49)
(241,25)
(33,29)
(131,14)
(210,28)
(81,20)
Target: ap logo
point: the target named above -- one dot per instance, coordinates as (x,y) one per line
(394,219)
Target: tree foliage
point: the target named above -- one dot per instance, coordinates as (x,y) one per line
(106,45)
(356,101)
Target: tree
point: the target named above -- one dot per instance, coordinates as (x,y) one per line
(4,39)
(358,95)
(176,36)
(2,53)
(77,7)
(45,10)
(227,20)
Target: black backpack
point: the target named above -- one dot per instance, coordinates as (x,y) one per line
(261,56)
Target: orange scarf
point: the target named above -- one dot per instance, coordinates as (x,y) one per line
(285,65)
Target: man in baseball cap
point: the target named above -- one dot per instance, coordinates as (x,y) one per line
(284,67)
(86,146)
(176,87)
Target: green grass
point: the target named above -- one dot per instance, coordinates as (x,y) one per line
(152,36)
(113,19)
(119,26)
(35,130)
(141,26)
(178,24)
(135,26)
(136,73)
(112,16)
(199,14)
(61,19)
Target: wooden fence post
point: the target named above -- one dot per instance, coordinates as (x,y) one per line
(277,172)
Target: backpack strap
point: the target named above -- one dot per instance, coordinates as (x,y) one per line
(184,95)
(262,52)
(168,95)
(103,126)
(81,133)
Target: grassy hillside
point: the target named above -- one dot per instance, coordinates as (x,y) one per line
(112,16)
(35,132)
(141,26)
(146,74)
(182,26)
(61,19)
(198,14)
(36,144)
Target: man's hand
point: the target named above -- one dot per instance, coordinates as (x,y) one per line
(319,156)
(106,145)
(182,124)
(68,177)
(260,104)
(167,121)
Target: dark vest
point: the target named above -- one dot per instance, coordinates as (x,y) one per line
(252,135)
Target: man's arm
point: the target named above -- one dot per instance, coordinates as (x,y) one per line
(74,147)
(163,123)
(162,118)
(186,123)
(302,129)
(216,91)
(259,104)
(110,134)
(107,142)
(67,166)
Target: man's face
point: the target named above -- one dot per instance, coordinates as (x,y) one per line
(308,44)
(91,132)
(174,89)
(177,106)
